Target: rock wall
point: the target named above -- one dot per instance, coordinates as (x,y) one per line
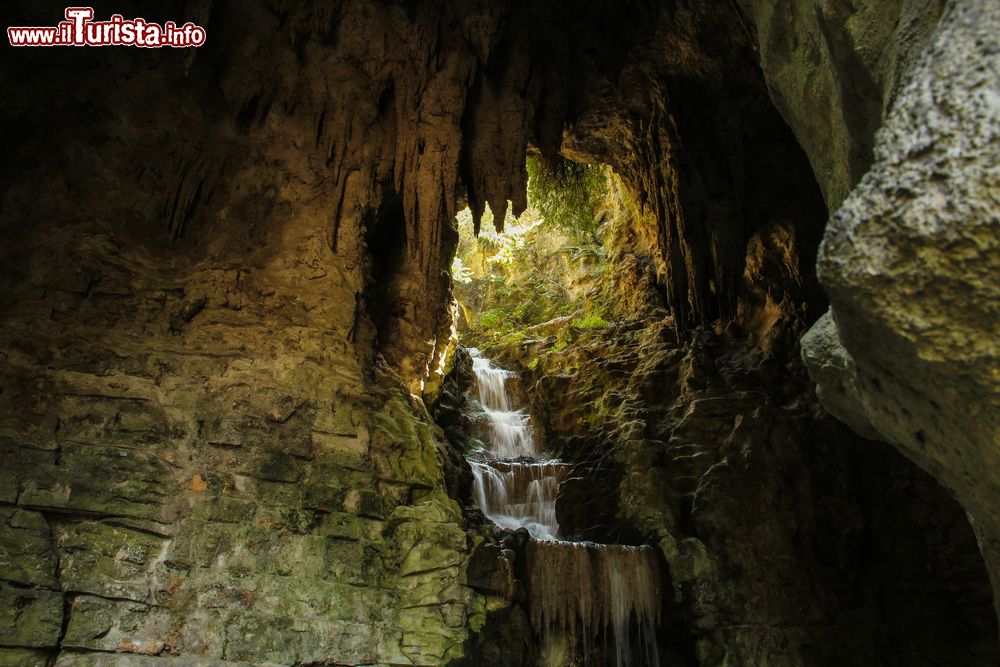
(910,257)
(833,68)
(708,164)
(202,458)
(787,539)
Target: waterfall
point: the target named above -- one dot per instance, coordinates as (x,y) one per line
(577,590)
(510,430)
(512,486)
(520,494)
(585,589)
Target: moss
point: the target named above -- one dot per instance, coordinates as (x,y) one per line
(30,617)
(113,561)
(16,657)
(25,548)
(411,453)
(566,193)
(494,318)
(591,321)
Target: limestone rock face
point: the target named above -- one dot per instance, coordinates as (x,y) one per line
(833,68)
(833,369)
(788,540)
(911,264)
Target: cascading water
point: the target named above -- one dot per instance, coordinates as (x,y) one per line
(518,494)
(584,589)
(510,430)
(578,590)
(512,485)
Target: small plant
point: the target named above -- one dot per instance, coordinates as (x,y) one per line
(493,319)
(590,322)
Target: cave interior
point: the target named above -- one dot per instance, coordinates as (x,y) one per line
(251,413)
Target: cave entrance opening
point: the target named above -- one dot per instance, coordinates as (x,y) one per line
(546,269)
(525,291)
(536,284)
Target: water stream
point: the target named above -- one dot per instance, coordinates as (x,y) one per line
(580,592)
(513,484)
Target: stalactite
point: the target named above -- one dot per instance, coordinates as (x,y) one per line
(438,104)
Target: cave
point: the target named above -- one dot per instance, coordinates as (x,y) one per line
(732,397)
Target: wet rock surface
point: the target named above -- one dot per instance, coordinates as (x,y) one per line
(833,69)
(779,526)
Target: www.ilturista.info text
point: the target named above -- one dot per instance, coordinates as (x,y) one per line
(79,29)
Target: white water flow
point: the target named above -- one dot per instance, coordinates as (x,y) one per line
(513,486)
(518,494)
(510,430)
(579,591)
(582,590)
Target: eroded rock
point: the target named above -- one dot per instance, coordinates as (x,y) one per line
(911,262)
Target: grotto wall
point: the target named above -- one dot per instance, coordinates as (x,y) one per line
(203,460)
(833,69)
(719,186)
(224,295)
(786,538)
(908,351)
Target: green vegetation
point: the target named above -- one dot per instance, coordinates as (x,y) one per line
(493,319)
(592,321)
(542,275)
(567,194)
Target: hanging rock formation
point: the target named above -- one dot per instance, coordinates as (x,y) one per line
(224,292)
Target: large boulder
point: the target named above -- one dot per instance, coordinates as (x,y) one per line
(911,263)
(833,68)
